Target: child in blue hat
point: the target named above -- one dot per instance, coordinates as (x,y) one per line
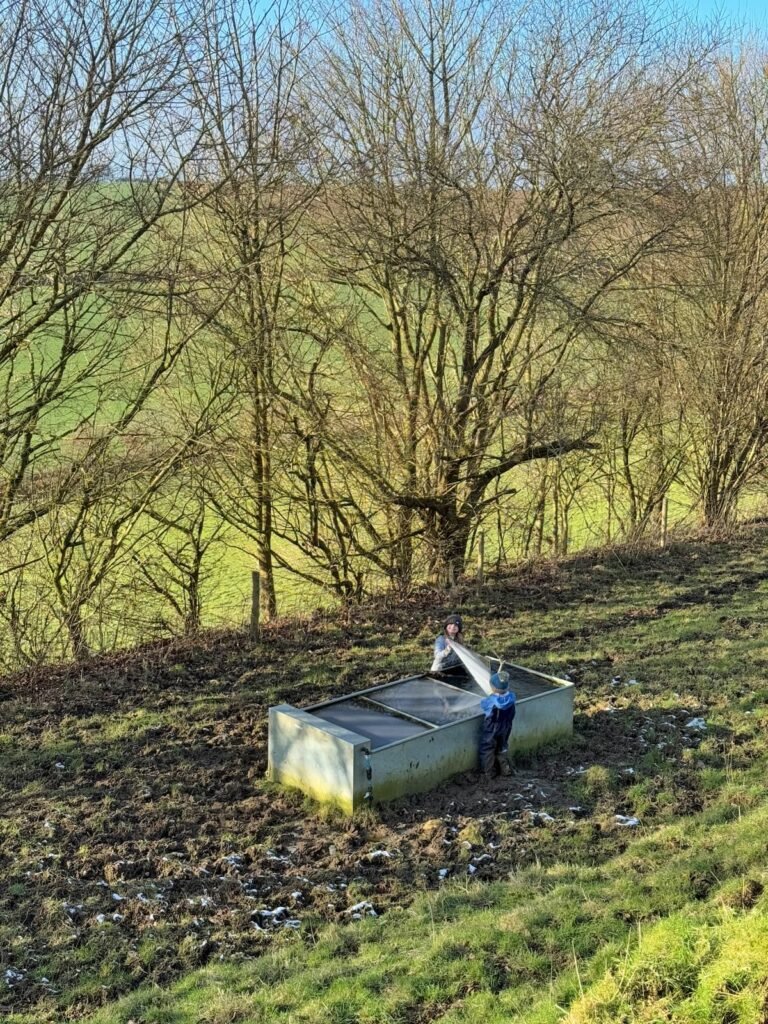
(499,708)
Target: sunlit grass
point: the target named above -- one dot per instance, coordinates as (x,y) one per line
(675,926)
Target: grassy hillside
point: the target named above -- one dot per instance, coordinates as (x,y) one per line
(149,870)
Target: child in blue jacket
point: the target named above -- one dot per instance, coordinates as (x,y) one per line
(499,710)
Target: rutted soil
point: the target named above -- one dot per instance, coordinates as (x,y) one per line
(142,840)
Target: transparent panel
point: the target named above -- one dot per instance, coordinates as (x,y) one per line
(477,666)
(435,702)
(526,684)
(377,724)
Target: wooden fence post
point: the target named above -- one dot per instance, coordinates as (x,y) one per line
(481,558)
(664,520)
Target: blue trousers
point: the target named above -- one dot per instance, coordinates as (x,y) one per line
(494,737)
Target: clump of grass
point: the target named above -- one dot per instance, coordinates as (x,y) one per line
(226,1008)
(597,785)
(472,834)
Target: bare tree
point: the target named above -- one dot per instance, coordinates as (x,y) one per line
(260,139)
(716,290)
(497,167)
(643,445)
(176,563)
(118,521)
(94,141)
(113,506)
(29,623)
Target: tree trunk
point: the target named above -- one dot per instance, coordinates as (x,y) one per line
(268,598)
(76,632)
(718,503)
(261,463)
(192,618)
(448,537)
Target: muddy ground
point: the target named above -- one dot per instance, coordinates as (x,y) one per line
(141,839)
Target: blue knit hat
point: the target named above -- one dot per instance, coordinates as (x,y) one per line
(500,681)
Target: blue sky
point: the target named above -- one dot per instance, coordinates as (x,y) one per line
(754,13)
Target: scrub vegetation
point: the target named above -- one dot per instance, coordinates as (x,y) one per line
(151,873)
(355,296)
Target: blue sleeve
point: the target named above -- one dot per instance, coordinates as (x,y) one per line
(440,644)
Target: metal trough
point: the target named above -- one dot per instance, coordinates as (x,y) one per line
(404,737)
